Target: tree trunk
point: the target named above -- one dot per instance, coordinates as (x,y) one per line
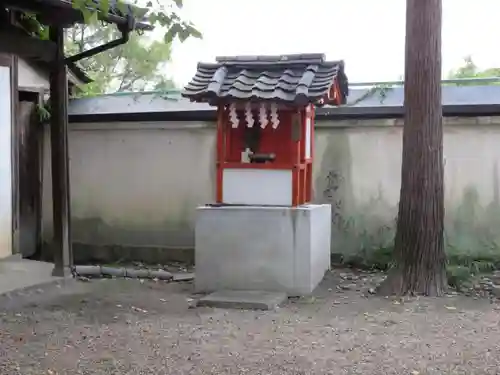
(420,259)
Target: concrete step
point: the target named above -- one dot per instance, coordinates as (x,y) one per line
(243,299)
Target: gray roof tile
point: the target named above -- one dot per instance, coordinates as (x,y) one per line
(298,79)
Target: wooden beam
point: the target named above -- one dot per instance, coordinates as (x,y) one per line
(60,159)
(50,13)
(25,46)
(62,13)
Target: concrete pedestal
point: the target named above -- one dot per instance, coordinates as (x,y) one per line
(275,249)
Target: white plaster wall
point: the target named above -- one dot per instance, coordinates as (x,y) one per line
(5,163)
(30,76)
(471,153)
(139,183)
(136,184)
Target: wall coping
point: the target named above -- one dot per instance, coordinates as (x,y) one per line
(320,123)
(397,122)
(469,100)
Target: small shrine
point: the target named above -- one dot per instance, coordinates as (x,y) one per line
(264,172)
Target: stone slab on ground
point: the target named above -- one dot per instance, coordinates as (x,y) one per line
(13,257)
(243,299)
(20,274)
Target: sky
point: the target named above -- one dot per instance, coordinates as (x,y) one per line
(367,34)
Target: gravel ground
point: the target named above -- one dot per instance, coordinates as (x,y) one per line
(129,327)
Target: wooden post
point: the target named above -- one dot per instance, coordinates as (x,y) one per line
(221,150)
(60,160)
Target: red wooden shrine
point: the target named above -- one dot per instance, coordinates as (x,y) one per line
(265,123)
(287,145)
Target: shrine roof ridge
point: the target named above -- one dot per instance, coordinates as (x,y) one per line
(258,60)
(298,79)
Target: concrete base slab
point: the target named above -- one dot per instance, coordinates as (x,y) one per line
(276,249)
(243,299)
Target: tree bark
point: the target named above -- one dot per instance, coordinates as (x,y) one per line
(420,259)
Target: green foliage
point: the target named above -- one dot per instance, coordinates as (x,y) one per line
(470,70)
(137,65)
(158,13)
(134,66)
(43,112)
(458,276)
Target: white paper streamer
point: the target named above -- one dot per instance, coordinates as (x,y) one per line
(263,116)
(249,115)
(233,116)
(274,116)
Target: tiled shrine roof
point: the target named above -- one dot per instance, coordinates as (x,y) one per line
(295,79)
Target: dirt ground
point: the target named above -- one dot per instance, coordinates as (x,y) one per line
(129,327)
